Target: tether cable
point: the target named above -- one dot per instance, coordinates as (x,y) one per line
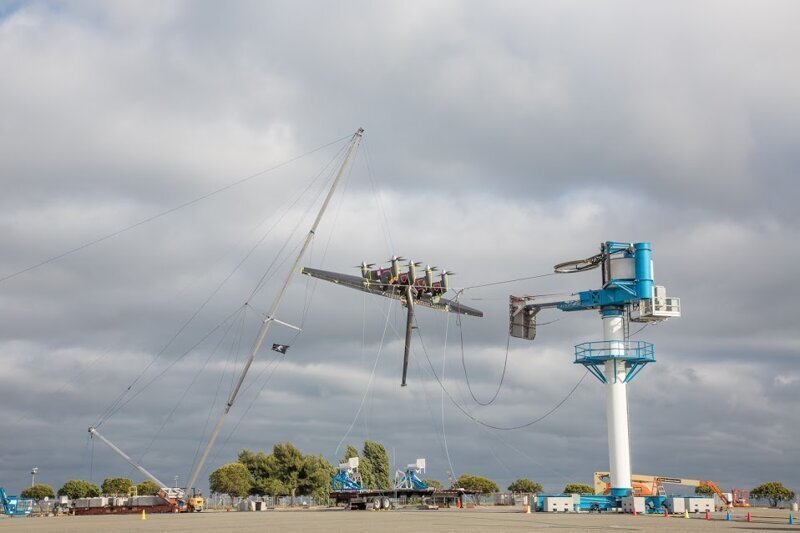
(481,422)
(167,212)
(466,375)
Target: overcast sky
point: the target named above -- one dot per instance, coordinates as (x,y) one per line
(501,138)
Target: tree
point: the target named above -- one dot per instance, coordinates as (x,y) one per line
(316,477)
(525,485)
(286,471)
(258,464)
(285,465)
(299,474)
(38,492)
(704,490)
(116,486)
(433,483)
(232,479)
(349,453)
(374,466)
(477,484)
(147,488)
(774,491)
(578,488)
(79,488)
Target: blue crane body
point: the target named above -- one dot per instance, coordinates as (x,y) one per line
(627,293)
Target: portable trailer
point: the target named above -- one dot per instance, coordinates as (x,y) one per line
(132,505)
(384,498)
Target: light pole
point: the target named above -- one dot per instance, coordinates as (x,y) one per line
(34,471)
(176,482)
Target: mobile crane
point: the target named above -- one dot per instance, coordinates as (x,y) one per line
(175,497)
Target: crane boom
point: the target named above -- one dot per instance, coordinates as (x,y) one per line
(94,433)
(601,485)
(265,326)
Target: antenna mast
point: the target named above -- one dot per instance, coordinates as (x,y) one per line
(273,310)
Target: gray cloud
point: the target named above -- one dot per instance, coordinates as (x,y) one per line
(501,140)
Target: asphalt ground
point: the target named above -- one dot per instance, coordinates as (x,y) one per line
(409,520)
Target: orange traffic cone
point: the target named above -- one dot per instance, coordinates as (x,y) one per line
(634,511)
(666,514)
(708,516)
(749,519)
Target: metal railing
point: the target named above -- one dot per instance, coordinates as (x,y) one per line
(640,351)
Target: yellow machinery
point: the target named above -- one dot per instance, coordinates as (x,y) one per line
(654,486)
(196,502)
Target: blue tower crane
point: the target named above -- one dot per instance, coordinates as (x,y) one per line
(627,294)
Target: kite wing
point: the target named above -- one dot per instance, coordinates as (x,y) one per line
(394,291)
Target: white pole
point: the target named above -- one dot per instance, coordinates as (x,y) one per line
(619,450)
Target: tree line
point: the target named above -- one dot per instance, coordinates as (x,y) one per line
(288,472)
(80,488)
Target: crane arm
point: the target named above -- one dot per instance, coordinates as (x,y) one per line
(94,433)
(602,485)
(697,483)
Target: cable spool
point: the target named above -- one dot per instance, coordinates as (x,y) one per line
(578,265)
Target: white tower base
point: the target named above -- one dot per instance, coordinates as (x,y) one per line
(619,454)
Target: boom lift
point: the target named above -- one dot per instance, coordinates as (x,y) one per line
(644,485)
(14,505)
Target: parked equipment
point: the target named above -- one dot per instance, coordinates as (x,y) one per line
(14,505)
(175,499)
(644,485)
(347,488)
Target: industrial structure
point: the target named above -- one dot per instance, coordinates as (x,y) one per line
(169,499)
(645,485)
(406,287)
(347,488)
(189,499)
(627,294)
